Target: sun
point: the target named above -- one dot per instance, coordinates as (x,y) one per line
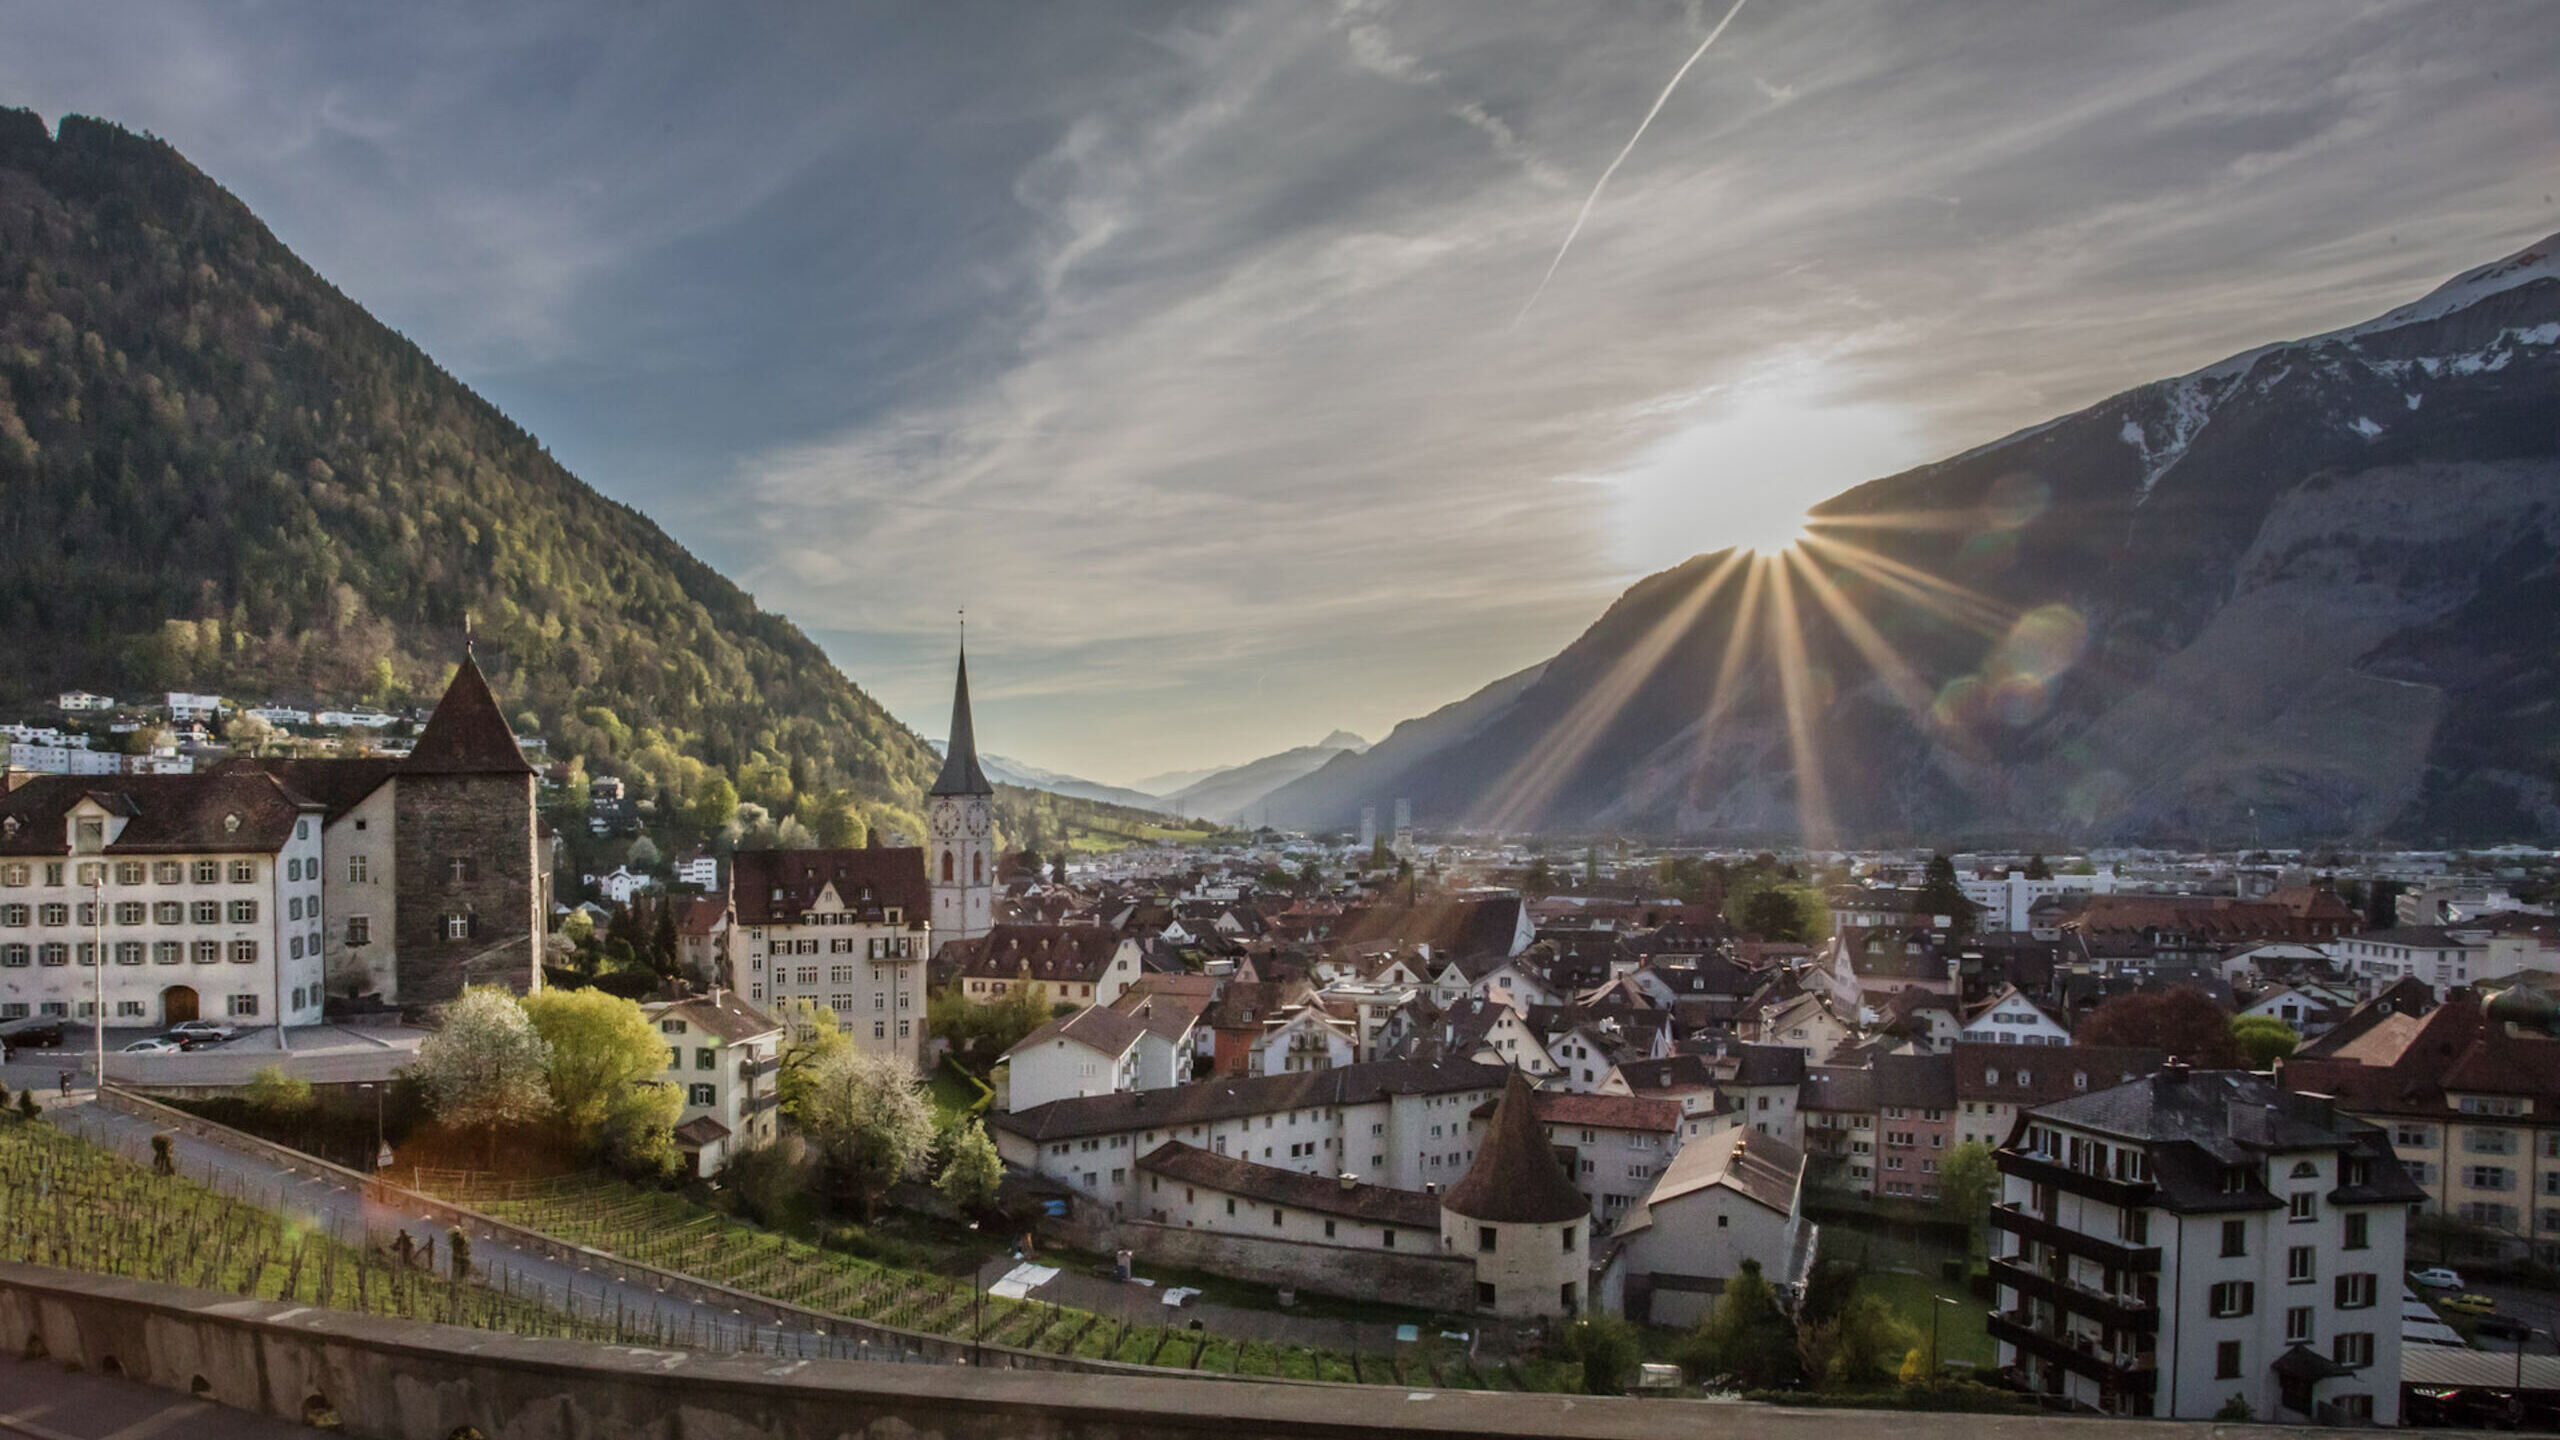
(1772,531)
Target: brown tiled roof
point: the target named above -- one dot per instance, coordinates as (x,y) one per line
(1599,1112)
(722,1014)
(1767,1170)
(164,814)
(1094,1027)
(1230,1097)
(1052,953)
(2455,1050)
(1516,1179)
(777,887)
(700,1131)
(340,785)
(467,734)
(1271,1185)
(2041,1074)
(700,914)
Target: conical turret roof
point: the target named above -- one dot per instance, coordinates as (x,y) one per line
(467,734)
(960,772)
(1516,1178)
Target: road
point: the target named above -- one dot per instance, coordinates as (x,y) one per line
(322,1054)
(319,1199)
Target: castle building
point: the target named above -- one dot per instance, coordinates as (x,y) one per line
(1518,1214)
(960,813)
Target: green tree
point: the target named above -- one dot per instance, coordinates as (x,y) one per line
(1858,1347)
(1941,894)
(1605,1347)
(714,805)
(603,1049)
(1966,1181)
(868,1117)
(2262,1039)
(1380,856)
(1772,914)
(1539,880)
(971,1176)
(2180,1023)
(1746,1336)
(834,822)
(485,1066)
(811,1033)
(276,1093)
(2037,869)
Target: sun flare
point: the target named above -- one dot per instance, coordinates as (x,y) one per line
(1774,533)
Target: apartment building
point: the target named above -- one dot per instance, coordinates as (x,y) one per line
(1614,1146)
(2470,1097)
(723,1054)
(202,894)
(2193,1241)
(1398,1123)
(1994,1086)
(846,929)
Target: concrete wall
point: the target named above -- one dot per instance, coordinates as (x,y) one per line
(1420,1276)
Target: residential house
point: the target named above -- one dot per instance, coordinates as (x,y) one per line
(2008,1017)
(1723,1199)
(724,1054)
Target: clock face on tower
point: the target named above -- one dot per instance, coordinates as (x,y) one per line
(946,822)
(978,821)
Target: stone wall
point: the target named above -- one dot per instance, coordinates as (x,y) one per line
(487,821)
(387,1379)
(1423,1280)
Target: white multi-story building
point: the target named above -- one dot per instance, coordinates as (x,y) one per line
(723,1054)
(2008,901)
(184,707)
(2197,1242)
(845,929)
(2443,958)
(202,894)
(701,868)
(2010,1018)
(76,701)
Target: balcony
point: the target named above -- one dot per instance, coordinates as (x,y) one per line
(2076,1299)
(2130,1371)
(759,1104)
(2029,1226)
(755,1069)
(2036,1168)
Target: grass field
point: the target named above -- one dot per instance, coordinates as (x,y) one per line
(953,1095)
(1962,1338)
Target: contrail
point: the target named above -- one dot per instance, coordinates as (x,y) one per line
(1594,197)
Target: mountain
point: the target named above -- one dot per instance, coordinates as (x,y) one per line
(1232,796)
(1172,780)
(224,475)
(1031,777)
(2304,593)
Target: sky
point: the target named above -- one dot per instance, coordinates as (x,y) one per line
(1190,348)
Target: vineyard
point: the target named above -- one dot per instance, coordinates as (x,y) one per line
(69,1204)
(670,1233)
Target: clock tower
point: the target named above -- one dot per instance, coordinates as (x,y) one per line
(960,811)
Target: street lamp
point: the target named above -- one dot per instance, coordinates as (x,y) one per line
(381,1146)
(1933,1335)
(98,967)
(978,1304)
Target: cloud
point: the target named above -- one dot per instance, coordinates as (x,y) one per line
(1171,341)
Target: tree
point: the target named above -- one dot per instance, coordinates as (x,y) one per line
(1029,863)
(833,821)
(276,1093)
(714,805)
(1857,1347)
(810,1035)
(971,1177)
(1966,1179)
(868,1117)
(2263,1040)
(603,1050)
(1941,894)
(486,1065)
(1771,913)
(1591,865)
(2179,1023)
(1539,881)
(2037,869)
(1607,1349)
(1746,1336)
(643,854)
(1058,867)
(1380,857)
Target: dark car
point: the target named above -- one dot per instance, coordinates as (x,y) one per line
(2501,1327)
(35,1033)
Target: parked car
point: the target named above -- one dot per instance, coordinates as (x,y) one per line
(210,1032)
(2436,1278)
(2501,1327)
(2468,1304)
(35,1032)
(154,1045)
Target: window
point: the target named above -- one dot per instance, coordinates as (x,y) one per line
(205,912)
(244,872)
(13,954)
(359,929)
(2299,1205)
(1484,1293)
(2356,1291)
(702,1095)
(2488,1177)
(358,869)
(1568,1238)
(128,1009)
(244,1005)
(2226,1360)
(458,925)
(244,952)
(1484,1239)
(2235,1238)
(2301,1264)
(2353,1349)
(169,912)
(168,872)
(13,915)
(705,1058)
(131,912)
(879,1029)
(168,952)
(13,875)
(244,912)
(131,872)
(2413,1136)
(2355,1231)
(2232,1297)
(1387,1239)
(56,913)
(293,907)
(208,872)
(2297,1324)
(2482,1141)
(128,952)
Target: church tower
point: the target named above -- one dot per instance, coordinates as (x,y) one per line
(960,811)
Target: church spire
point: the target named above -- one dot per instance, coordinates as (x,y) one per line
(960,772)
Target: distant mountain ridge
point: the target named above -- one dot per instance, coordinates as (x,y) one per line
(1230,796)
(2302,593)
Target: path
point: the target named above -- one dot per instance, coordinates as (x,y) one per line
(1144,1305)
(40,1401)
(320,1199)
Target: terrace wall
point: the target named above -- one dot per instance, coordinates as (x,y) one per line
(1425,1280)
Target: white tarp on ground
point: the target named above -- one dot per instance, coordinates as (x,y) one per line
(1021,1280)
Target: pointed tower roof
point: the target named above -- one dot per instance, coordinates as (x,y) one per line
(1516,1179)
(960,772)
(467,735)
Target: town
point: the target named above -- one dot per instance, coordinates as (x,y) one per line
(2256,1135)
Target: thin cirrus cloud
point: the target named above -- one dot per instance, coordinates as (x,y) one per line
(1174,342)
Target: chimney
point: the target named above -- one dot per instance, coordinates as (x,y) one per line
(1350,1181)
(2173,1072)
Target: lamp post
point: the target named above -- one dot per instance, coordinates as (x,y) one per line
(978,1305)
(98,969)
(1940,1300)
(381,1146)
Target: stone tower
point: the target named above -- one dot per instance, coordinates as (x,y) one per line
(470,877)
(960,858)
